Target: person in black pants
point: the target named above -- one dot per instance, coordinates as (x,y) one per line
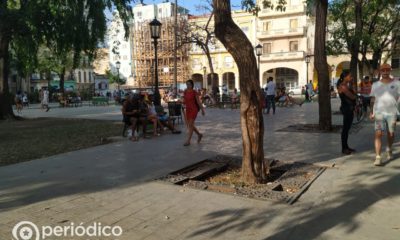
(347,98)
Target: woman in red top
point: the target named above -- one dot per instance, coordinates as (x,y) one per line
(193,105)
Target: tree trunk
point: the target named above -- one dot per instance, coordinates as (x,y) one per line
(355,45)
(321,65)
(62,76)
(214,85)
(6,111)
(254,169)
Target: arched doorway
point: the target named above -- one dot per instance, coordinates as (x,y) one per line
(228,79)
(342,66)
(286,77)
(198,80)
(265,76)
(209,82)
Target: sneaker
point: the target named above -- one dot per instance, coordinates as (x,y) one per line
(378,161)
(389,154)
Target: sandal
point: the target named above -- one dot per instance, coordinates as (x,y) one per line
(199,138)
(186,144)
(176,132)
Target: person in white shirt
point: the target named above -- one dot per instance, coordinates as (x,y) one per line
(384,97)
(45,100)
(270,90)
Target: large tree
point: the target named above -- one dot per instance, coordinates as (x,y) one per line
(59,24)
(254,170)
(321,65)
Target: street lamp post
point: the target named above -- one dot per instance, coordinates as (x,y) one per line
(307,59)
(155,28)
(94,83)
(258,53)
(205,78)
(333,68)
(118,65)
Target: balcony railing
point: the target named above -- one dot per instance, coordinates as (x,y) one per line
(282,32)
(282,56)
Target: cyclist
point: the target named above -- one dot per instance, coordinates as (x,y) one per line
(365,90)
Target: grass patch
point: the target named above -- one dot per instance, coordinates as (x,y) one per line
(42,137)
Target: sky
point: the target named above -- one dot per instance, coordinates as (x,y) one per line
(191,4)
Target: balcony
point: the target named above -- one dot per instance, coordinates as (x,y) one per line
(282,56)
(290,10)
(279,33)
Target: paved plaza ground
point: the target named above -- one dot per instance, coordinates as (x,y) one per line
(113,184)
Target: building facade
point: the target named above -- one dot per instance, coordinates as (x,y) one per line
(225,69)
(286,38)
(143,66)
(119,49)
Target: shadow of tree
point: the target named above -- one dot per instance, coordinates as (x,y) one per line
(308,221)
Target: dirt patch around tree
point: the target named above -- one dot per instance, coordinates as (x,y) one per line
(314,128)
(286,182)
(28,139)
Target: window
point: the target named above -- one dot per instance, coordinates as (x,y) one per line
(228,62)
(293,25)
(139,14)
(293,46)
(79,76)
(196,64)
(395,63)
(84,76)
(267,47)
(267,26)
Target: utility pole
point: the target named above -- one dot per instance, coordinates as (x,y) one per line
(176,48)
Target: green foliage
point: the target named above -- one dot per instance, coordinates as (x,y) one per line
(114,78)
(63,26)
(379,18)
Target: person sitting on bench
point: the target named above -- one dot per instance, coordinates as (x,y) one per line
(165,120)
(132,117)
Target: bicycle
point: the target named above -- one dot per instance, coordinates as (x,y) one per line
(358,110)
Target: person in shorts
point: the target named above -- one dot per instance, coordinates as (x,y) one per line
(384,96)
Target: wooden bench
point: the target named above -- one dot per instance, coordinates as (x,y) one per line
(99,101)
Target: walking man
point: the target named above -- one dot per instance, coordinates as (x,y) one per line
(45,99)
(270,95)
(384,96)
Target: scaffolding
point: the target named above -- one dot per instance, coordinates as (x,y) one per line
(143,54)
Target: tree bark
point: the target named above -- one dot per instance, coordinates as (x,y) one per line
(355,45)
(321,65)
(62,76)
(254,169)
(6,111)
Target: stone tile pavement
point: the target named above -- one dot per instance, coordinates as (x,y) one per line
(113,184)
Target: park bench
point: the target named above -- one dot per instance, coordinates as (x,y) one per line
(227,101)
(99,101)
(149,126)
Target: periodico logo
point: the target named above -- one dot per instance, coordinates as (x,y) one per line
(26,230)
